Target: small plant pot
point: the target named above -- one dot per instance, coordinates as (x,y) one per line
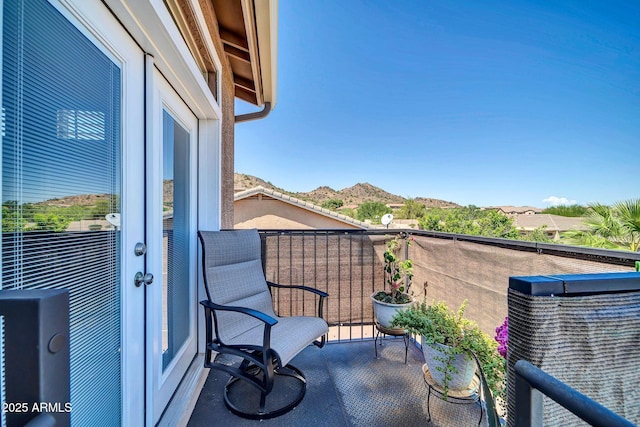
(463,364)
(384,311)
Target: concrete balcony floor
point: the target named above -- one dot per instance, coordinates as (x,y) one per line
(348,386)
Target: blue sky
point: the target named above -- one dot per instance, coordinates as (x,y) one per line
(484,103)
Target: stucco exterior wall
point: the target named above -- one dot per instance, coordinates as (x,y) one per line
(227,151)
(227,103)
(274,214)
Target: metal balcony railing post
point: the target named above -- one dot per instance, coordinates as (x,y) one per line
(406,257)
(528,400)
(362,292)
(350,285)
(339,288)
(529,408)
(291,280)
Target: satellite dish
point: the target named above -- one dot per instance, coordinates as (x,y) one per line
(113,219)
(386,219)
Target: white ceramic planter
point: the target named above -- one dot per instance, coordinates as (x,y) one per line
(384,311)
(465,365)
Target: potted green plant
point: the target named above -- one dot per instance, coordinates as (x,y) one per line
(398,275)
(448,338)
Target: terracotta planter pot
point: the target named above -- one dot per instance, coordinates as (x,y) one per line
(465,365)
(384,311)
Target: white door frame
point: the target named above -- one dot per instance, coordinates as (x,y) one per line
(153,29)
(162,383)
(98,24)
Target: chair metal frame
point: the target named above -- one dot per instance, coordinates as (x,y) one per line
(261,364)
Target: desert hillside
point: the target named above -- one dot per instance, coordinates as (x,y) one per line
(354,195)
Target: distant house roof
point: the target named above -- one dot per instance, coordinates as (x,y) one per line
(513,210)
(261,191)
(348,207)
(553,222)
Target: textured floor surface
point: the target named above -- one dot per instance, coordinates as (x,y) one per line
(348,386)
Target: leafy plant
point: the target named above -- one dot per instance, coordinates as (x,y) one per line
(537,235)
(564,210)
(399,272)
(469,220)
(372,211)
(411,209)
(502,337)
(332,204)
(349,212)
(436,323)
(52,220)
(610,227)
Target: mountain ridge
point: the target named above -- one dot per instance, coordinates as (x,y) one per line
(354,195)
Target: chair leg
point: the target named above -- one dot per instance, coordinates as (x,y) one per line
(247,401)
(263,401)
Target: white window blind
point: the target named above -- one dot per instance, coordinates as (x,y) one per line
(61,173)
(176,255)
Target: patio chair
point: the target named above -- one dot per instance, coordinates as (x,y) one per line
(239,309)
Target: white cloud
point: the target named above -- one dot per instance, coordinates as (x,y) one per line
(556,201)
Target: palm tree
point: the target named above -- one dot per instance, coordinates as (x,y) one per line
(611,227)
(629,214)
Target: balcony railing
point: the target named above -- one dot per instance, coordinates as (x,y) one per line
(348,264)
(532,382)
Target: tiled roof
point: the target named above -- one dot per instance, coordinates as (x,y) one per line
(301,204)
(553,222)
(517,209)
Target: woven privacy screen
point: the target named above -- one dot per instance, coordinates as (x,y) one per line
(350,267)
(589,342)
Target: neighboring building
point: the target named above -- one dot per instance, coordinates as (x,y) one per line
(554,224)
(354,207)
(117,98)
(395,205)
(404,223)
(517,210)
(265,209)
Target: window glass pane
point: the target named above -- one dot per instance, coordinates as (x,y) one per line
(61,190)
(175,313)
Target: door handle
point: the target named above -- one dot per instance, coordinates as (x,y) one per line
(140,249)
(140,278)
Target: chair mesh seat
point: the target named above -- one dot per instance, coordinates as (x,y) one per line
(286,335)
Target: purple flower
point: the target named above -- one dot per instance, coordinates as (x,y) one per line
(502,337)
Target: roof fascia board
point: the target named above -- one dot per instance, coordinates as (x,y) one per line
(250,25)
(204,28)
(267,28)
(181,20)
(153,28)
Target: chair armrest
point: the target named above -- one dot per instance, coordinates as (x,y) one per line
(304,288)
(267,353)
(318,292)
(248,311)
